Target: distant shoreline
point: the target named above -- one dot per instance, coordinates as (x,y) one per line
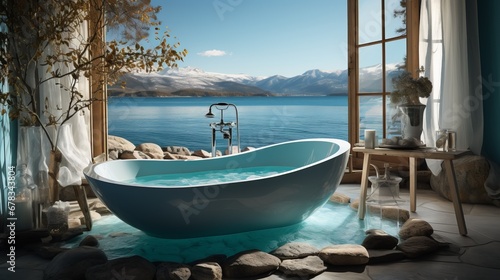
(209,96)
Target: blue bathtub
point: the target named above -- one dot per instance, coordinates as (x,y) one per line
(316,167)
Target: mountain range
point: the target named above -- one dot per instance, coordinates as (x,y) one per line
(196,82)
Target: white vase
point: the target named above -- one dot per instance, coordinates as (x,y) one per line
(412,120)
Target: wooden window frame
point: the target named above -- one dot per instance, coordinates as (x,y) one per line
(412,30)
(99,108)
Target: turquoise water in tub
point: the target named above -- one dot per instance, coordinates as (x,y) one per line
(209,177)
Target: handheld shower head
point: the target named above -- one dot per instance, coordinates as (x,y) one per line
(209,114)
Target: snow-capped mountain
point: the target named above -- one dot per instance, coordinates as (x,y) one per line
(193,81)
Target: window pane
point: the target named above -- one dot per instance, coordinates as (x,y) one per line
(369,21)
(395,18)
(395,60)
(392,120)
(370,68)
(370,115)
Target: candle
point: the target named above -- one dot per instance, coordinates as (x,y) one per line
(370,138)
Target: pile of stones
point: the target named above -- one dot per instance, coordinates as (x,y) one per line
(121,148)
(295,259)
(292,259)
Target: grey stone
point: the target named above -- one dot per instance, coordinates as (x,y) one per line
(149,148)
(134,267)
(177,150)
(73,263)
(218,258)
(67,235)
(306,267)
(202,154)
(114,154)
(249,264)
(167,155)
(246,149)
(385,256)
(99,207)
(189,157)
(74,222)
(471,172)
(340,198)
(379,240)
(354,204)
(49,252)
(415,227)
(295,250)
(89,240)
(133,155)
(94,216)
(206,271)
(173,271)
(119,143)
(389,212)
(344,254)
(154,155)
(417,246)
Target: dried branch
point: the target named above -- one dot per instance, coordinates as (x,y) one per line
(41,44)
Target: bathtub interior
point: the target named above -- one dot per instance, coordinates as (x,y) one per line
(294,154)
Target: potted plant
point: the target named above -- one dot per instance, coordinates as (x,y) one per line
(406,97)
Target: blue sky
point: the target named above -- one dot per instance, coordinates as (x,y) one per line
(259,37)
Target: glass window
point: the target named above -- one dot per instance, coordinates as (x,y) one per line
(378,52)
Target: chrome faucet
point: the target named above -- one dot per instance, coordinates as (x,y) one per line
(225,128)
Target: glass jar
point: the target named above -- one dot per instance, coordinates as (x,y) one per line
(57,218)
(25,195)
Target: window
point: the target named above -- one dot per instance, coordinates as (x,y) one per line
(382,42)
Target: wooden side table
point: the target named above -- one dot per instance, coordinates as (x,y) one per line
(424,153)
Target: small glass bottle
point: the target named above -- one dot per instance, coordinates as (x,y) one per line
(24,199)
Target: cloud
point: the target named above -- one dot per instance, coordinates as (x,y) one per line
(210,53)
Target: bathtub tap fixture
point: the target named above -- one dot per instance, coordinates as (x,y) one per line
(225,128)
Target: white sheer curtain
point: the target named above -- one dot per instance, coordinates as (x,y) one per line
(73,139)
(449,52)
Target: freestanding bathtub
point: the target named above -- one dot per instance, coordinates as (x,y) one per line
(314,168)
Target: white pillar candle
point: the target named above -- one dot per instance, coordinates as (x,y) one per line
(370,138)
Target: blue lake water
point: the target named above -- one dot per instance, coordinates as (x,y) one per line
(262,120)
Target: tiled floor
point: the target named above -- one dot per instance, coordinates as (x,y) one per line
(476,256)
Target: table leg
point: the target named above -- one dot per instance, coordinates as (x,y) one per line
(452,180)
(81,197)
(413,184)
(364,186)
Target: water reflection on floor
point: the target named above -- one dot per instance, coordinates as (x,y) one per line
(331,224)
